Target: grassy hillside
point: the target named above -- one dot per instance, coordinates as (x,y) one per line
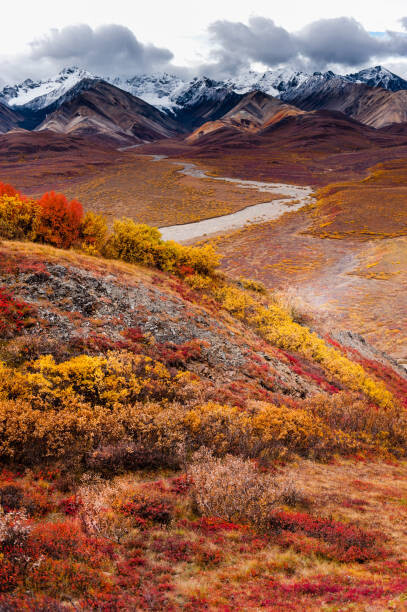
(179,440)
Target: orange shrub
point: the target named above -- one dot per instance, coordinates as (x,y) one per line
(8,190)
(59,220)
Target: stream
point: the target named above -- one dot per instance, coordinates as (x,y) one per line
(256,213)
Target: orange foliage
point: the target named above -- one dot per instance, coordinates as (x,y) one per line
(60,220)
(6,189)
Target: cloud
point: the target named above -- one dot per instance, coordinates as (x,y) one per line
(339,44)
(260,41)
(341,41)
(106,49)
(324,43)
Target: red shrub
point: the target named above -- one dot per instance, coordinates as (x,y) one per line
(60,220)
(181,484)
(346,542)
(9,576)
(13,314)
(178,355)
(6,189)
(149,510)
(70,505)
(174,548)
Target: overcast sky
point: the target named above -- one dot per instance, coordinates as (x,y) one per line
(216,37)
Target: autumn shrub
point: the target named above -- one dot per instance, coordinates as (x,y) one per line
(11,497)
(53,576)
(14,314)
(8,190)
(118,378)
(100,512)
(93,232)
(253,285)
(14,529)
(142,244)
(276,325)
(231,488)
(18,218)
(372,427)
(340,541)
(59,221)
(148,510)
(265,430)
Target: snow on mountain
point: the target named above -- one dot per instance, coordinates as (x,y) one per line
(379,77)
(156,89)
(172,94)
(36,95)
(271,82)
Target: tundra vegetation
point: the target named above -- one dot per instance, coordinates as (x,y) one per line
(171,438)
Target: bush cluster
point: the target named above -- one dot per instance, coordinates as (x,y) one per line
(54,220)
(142,244)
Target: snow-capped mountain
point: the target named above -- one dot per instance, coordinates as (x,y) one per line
(36,95)
(159,90)
(379,77)
(179,97)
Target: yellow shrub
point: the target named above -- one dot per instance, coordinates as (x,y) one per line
(267,430)
(118,378)
(142,244)
(276,325)
(18,218)
(93,232)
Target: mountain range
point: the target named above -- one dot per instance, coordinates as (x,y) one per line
(159,106)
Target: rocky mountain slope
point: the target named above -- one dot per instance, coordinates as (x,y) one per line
(373,106)
(9,119)
(102,109)
(168,91)
(253,113)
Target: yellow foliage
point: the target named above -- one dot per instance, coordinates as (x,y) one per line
(266,430)
(142,244)
(93,232)
(277,326)
(18,218)
(119,378)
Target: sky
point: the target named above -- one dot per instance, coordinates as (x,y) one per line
(215,37)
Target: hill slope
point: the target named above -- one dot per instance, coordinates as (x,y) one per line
(102,109)
(254,112)
(9,119)
(113,375)
(373,106)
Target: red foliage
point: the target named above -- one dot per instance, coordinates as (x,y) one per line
(346,542)
(149,511)
(177,355)
(181,484)
(65,539)
(212,524)
(13,314)
(60,220)
(70,505)
(6,189)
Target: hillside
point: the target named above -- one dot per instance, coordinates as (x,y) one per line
(138,385)
(254,112)
(373,106)
(9,119)
(104,110)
